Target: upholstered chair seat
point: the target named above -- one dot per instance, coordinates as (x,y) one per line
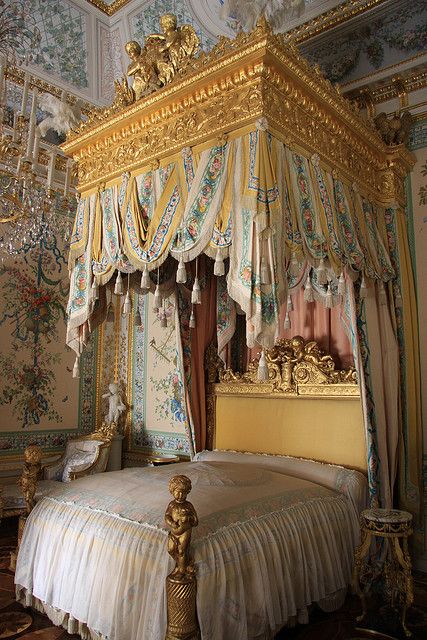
(83,456)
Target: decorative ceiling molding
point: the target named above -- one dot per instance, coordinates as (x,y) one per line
(392,89)
(109,9)
(330,19)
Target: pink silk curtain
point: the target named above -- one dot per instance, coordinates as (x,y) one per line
(313,321)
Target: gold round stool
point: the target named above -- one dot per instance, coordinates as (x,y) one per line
(394,526)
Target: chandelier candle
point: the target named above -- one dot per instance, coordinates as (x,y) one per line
(37,136)
(51,167)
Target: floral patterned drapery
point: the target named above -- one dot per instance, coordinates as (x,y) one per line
(283,221)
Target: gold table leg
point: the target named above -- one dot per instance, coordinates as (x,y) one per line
(359,558)
(404,560)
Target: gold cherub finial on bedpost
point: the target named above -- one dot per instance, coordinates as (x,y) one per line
(28,483)
(181,517)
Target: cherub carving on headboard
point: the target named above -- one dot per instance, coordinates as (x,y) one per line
(293,363)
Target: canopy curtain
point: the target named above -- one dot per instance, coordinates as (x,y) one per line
(285,222)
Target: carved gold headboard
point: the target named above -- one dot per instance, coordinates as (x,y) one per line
(306,408)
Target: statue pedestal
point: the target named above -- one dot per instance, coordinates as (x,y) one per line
(115,459)
(181,608)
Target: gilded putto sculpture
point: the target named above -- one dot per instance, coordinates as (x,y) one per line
(162,56)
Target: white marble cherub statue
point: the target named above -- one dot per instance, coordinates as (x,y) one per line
(115,404)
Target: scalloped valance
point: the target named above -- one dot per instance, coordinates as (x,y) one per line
(275,214)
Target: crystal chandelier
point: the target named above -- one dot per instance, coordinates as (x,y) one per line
(36,201)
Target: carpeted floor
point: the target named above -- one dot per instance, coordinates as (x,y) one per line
(340,625)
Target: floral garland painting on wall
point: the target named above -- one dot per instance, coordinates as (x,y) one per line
(32,314)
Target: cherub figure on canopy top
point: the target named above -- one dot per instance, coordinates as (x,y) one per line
(156,63)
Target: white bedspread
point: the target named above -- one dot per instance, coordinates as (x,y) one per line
(268,544)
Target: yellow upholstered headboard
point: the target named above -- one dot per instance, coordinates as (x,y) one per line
(305,409)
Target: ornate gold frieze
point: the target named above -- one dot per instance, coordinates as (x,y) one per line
(255,75)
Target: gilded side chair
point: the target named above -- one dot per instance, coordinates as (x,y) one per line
(83,456)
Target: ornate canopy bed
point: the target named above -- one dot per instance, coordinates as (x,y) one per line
(249,156)
(275,533)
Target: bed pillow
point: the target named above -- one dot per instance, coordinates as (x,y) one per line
(78,461)
(348,481)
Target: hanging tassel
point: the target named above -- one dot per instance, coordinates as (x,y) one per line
(363,288)
(289,305)
(219,268)
(382,294)
(262,373)
(287,323)
(138,319)
(341,284)
(110,313)
(118,287)
(195,294)
(322,277)
(157,299)
(192,322)
(329,298)
(95,289)
(265,272)
(127,306)
(294,266)
(250,335)
(181,273)
(308,290)
(76,368)
(163,319)
(145,279)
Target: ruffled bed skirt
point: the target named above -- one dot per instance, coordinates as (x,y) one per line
(260,563)
(73,626)
(58,617)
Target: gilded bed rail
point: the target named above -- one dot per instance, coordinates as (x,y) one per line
(181,583)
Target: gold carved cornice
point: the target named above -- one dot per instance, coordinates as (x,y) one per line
(257,74)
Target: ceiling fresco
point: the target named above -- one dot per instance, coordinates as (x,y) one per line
(63,49)
(380,39)
(74,45)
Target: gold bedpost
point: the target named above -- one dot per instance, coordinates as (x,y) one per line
(181,584)
(28,483)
